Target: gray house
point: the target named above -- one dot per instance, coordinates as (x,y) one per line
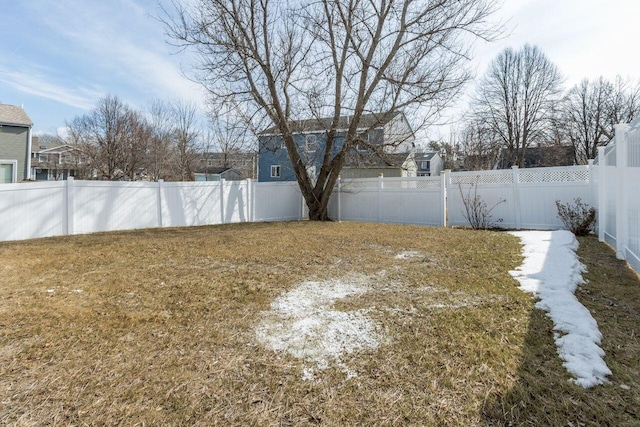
(15,144)
(429,164)
(55,161)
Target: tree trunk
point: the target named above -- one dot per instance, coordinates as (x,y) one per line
(318,211)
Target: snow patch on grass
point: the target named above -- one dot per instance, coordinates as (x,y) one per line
(304,324)
(552,272)
(409,254)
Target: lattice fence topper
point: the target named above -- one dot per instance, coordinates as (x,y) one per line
(412,183)
(581,175)
(489,178)
(422,183)
(431,183)
(359,184)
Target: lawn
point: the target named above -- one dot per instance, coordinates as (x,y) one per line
(172,327)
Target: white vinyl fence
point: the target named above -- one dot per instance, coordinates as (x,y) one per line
(520,198)
(618,192)
(390,200)
(43,209)
(523,198)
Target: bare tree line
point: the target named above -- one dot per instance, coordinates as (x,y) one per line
(519,104)
(166,141)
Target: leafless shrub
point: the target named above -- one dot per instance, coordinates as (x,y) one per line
(578,218)
(476,211)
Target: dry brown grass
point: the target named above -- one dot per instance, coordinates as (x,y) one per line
(157,327)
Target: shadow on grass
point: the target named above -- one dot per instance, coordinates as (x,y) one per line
(542,393)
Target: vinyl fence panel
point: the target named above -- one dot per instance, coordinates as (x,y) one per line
(277,201)
(108,206)
(190,203)
(31,210)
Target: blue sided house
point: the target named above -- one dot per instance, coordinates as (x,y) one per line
(387,147)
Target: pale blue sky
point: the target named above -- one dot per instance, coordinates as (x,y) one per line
(57,58)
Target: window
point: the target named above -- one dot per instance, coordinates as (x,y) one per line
(311,143)
(8,171)
(275,171)
(424,165)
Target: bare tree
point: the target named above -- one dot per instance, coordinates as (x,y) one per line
(136,139)
(113,136)
(592,108)
(585,116)
(286,61)
(185,139)
(480,145)
(624,103)
(229,134)
(515,99)
(161,122)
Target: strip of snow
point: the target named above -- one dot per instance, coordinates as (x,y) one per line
(552,272)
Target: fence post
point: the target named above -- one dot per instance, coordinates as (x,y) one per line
(516,196)
(248,200)
(159,206)
(445,183)
(622,213)
(602,202)
(380,187)
(591,183)
(253,184)
(68,207)
(221,200)
(339,197)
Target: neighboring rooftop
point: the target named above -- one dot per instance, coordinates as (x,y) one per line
(13,115)
(363,161)
(320,124)
(425,156)
(212,170)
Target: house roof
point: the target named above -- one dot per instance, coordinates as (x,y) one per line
(213,170)
(425,156)
(320,124)
(376,161)
(52,147)
(13,115)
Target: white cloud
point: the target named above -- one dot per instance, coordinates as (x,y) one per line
(124,44)
(33,80)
